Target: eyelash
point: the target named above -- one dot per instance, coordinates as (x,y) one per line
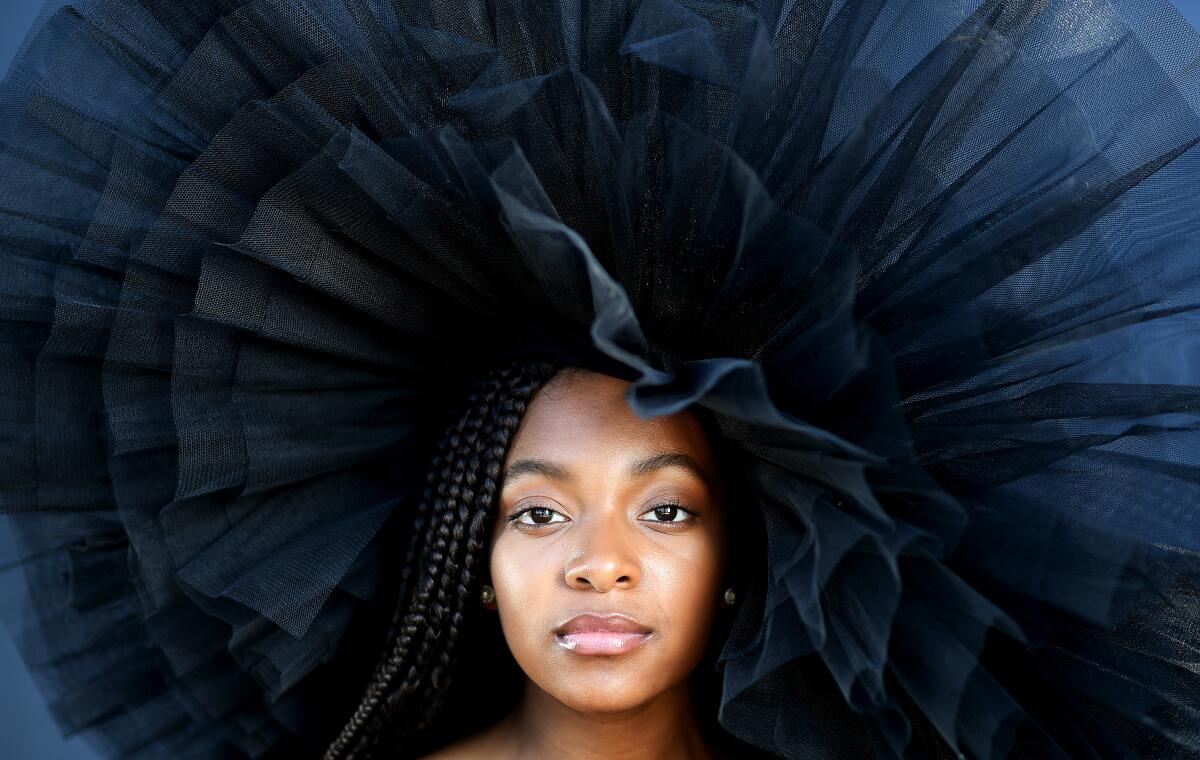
(516,515)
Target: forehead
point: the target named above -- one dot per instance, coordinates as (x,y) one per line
(581,412)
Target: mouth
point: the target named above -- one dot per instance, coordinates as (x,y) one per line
(590,634)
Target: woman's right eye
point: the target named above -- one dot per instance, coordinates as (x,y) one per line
(537,516)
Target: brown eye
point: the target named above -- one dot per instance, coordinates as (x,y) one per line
(669,513)
(537,516)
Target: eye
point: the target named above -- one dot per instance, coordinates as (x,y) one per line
(537,515)
(670,513)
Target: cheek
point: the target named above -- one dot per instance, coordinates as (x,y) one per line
(524,584)
(685,582)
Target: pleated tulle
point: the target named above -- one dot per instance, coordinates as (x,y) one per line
(932,266)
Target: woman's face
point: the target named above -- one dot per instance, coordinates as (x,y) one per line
(606,513)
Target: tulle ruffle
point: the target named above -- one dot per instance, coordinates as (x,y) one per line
(930,266)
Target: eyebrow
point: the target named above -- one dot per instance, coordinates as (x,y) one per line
(636,469)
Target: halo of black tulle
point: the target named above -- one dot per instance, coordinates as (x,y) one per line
(930,267)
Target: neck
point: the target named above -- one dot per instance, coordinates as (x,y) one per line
(665,727)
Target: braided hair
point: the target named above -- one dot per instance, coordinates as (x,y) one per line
(438,580)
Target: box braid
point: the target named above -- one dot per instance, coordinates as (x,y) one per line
(438,580)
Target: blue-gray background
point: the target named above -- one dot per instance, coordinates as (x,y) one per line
(26,731)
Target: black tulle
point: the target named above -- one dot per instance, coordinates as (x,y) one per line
(931,266)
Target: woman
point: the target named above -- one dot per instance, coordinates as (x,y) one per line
(595,513)
(600,514)
(923,271)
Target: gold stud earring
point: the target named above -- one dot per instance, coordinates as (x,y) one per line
(730,597)
(487,595)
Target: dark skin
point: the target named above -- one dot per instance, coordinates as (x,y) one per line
(617,514)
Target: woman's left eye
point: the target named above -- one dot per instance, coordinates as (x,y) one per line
(669,513)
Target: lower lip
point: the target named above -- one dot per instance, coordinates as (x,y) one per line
(601,642)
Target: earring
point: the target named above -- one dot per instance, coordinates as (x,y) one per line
(487,595)
(730,597)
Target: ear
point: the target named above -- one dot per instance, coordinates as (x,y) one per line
(487,596)
(728,597)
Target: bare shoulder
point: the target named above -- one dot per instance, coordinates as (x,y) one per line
(490,742)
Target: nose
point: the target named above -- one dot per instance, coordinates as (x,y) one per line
(604,559)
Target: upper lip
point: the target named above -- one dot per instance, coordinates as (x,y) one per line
(592,622)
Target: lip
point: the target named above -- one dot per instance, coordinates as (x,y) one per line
(592,634)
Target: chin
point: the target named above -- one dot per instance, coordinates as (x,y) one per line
(603,690)
(602,699)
